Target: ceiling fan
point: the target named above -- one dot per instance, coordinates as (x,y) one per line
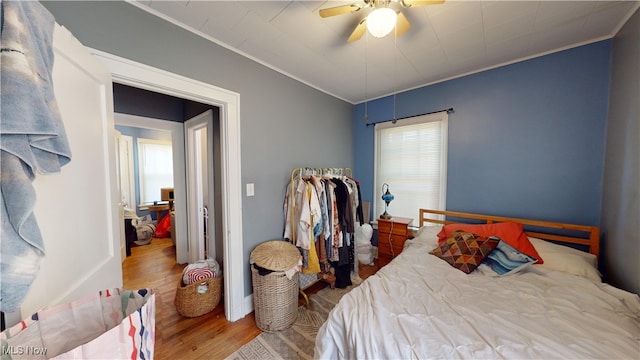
(381,21)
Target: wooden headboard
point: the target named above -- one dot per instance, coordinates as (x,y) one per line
(588,236)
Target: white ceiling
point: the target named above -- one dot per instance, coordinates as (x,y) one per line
(445,41)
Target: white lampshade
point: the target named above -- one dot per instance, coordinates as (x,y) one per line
(381,21)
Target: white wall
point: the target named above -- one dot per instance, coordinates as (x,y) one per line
(621,193)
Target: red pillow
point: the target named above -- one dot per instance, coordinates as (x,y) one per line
(511,233)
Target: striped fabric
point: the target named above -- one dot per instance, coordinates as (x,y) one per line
(505,259)
(197,274)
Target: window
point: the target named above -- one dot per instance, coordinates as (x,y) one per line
(411,157)
(155,168)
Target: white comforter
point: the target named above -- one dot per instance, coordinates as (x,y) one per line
(419,306)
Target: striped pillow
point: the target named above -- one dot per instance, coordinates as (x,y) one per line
(505,259)
(197,274)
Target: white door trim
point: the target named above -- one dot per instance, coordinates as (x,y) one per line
(118,159)
(195,200)
(142,76)
(127,142)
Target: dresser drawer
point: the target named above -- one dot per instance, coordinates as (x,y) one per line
(393,240)
(392,233)
(385,246)
(387,227)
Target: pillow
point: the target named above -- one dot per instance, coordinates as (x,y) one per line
(505,259)
(566,259)
(510,232)
(428,235)
(465,251)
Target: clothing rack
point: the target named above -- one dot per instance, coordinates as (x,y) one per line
(308,171)
(301,172)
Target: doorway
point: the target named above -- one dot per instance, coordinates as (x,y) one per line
(154,127)
(173,132)
(139,75)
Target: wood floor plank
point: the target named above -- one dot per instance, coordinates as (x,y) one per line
(209,336)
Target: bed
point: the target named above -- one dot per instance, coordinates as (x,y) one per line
(420,306)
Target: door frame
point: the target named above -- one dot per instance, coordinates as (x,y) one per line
(142,76)
(195,207)
(118,167)
(128,141)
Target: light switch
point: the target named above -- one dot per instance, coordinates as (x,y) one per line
(250,189)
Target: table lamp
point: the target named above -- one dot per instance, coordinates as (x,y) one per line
(387,197)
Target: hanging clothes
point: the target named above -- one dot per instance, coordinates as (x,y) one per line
(320,215)
(315,219)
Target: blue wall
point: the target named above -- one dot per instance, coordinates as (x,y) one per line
(525,140)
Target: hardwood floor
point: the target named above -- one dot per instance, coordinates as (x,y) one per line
(209,336)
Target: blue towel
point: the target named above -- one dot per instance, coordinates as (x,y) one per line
(32,140)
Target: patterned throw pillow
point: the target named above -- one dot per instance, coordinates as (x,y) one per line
(506,259)
(510,232)
(465,251)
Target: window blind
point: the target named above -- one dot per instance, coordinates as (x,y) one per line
(155,168)
(411,157)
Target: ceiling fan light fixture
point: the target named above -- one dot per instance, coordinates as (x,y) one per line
(381,21)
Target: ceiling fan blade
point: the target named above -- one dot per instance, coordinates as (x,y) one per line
(339,10)
(402,24)
(416,3)
(359,31)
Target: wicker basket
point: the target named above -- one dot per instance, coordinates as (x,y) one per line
(275,300)
(191,303)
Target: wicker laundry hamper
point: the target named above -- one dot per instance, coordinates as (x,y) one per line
(275,296)
(198,298)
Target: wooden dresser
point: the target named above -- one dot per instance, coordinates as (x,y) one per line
(392,234)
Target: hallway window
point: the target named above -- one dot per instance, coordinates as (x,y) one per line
(155,168)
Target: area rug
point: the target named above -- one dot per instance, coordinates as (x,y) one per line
(298,341)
